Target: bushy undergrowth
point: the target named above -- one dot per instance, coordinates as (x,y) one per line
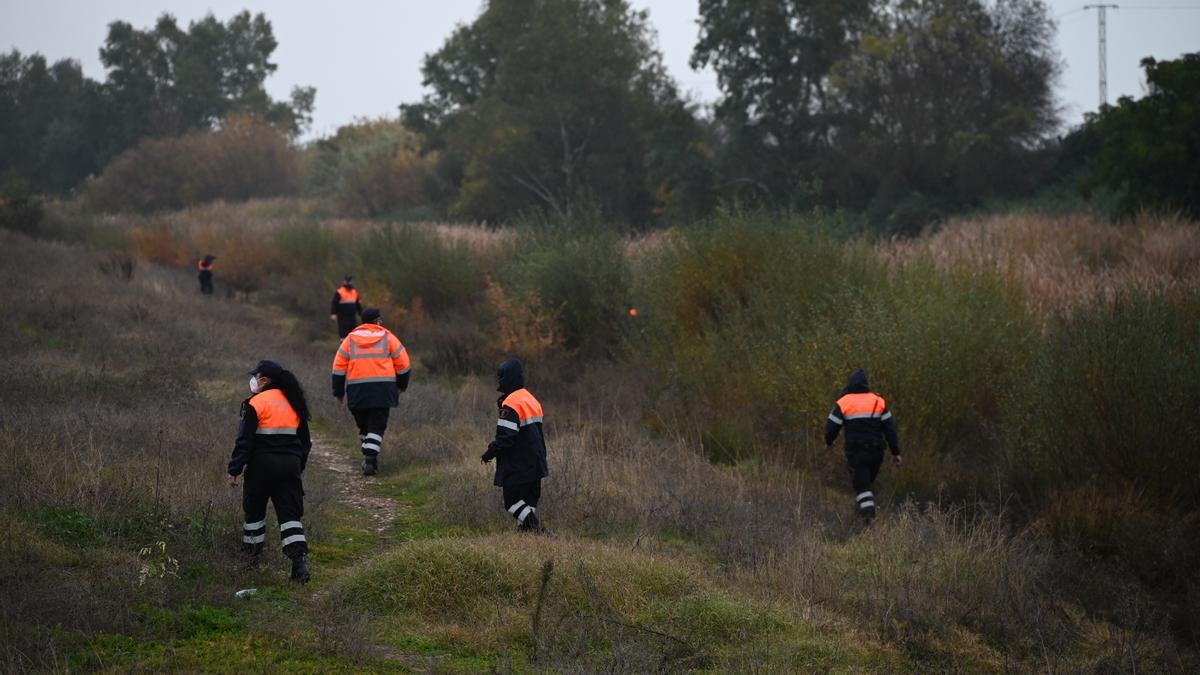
(246,158)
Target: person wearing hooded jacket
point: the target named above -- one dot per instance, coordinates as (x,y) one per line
(868,424)
(345,307)
(205,274)
(272,450)
(519,447)
(370,371)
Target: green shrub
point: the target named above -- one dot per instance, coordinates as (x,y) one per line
(246,158)
(414,263)
(580,275)
(20,209)
(373,168)
(1112,394)
(758,321)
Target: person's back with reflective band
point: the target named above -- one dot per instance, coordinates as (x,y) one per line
(272,450)
(519,448)
(346,306)
(370,370)
(868,424)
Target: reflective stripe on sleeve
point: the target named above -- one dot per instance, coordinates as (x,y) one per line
(833,418)
(401,372)
(531,420)
(340,372)
(507,424)
(886,416)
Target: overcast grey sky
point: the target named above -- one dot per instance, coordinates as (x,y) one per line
(364,57)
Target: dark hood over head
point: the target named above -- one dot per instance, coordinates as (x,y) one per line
(510,377)
(857,384)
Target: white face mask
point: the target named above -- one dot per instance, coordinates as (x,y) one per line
(254,388)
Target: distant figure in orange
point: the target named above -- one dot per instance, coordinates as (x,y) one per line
(869,424)
(206,273)
(345,307)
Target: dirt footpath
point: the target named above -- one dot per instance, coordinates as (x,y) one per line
(352,487)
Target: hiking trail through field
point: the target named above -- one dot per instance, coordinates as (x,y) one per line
(354,489)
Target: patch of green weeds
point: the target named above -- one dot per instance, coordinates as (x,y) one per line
(68,526)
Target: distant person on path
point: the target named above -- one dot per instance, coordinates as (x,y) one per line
(868,423)
(345,307)
(371,370)
(206,273)
(519,448)
(272,448)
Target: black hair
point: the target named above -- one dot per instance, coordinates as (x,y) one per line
(293,392)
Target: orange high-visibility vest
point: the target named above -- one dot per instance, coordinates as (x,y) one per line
(529,410)
(203,266)
(863,405)
(347,296)
(275,414)
(371,353)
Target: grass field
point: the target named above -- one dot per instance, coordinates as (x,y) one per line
(118,538)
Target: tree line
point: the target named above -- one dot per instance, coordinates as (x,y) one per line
(900,110)
(58,126)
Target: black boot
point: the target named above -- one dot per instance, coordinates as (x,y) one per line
(534,525)
(867,515)
(300,569)
(370,465)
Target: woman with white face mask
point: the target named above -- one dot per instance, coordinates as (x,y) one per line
(272,449)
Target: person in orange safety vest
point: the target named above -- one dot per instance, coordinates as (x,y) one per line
(370,370)
(345,307)
(519,448)
(206,273)
(272,449)
(868,423)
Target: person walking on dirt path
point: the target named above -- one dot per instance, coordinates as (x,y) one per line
(519,448)
(272,448)
(345,307)
(371,370)
(868,423)
(206,273)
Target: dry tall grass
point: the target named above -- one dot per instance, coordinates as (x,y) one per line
(118,412)
(1067,263)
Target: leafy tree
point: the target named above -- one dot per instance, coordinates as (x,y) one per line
(557,105)
(773,59)
(943,102)
(1149,149)
(373,168)
(57,126)
(52,121)
(165,81)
